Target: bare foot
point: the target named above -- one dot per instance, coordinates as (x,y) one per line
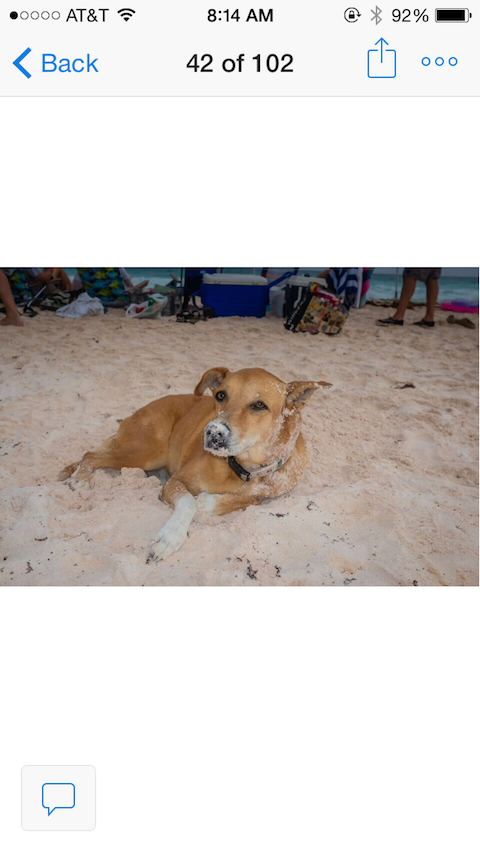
(15,320)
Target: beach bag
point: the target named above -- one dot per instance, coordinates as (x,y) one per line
(153,307)
(317,311)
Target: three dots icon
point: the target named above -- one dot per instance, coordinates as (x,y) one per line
(426,61)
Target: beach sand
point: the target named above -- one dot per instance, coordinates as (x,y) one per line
(389,497)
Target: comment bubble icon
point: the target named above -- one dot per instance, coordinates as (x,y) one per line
(58,796)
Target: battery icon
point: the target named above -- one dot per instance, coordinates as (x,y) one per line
(452,16)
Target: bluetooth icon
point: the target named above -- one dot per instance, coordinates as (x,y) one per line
(377,15)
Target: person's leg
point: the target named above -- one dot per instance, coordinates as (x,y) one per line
(44,277)
(406,296)
(432,298)
(12,315)
(55,278)
(64,281)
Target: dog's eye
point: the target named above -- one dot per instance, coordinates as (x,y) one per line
(259,406)
(221,395)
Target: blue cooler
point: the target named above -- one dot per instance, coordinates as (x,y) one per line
(233,295)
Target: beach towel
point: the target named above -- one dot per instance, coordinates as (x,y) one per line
(105,283)
(55,301)
(366,280)
(18,280)
(82,307)
(344,282)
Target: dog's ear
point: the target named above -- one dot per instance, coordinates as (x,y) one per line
(211,379)
(299,393)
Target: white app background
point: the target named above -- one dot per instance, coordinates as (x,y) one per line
(268,722)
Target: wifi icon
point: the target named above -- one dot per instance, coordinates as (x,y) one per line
(126,14)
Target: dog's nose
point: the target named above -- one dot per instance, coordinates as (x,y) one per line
(217,435)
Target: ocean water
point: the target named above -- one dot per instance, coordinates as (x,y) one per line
(460,286)
(451,287)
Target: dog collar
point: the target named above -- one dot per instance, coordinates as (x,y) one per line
(246,475)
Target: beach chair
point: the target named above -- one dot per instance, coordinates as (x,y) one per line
(192,288)
(278,278)
(35,300)
(25,294)
(275,275)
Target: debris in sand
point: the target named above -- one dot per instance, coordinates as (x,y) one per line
(467,323)
(69,537)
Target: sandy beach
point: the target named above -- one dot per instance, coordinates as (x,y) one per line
(389,498)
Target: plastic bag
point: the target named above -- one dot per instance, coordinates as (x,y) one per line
(83,306)
(149,309)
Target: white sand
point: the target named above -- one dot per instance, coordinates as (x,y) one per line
(390,497)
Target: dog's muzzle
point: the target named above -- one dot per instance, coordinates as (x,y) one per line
(217,436)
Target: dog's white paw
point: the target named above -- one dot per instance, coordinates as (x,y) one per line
(206,502)
(174,532)
(74,484)
(167,541)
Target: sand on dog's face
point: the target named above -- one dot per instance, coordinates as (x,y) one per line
(389,497)
(239,424)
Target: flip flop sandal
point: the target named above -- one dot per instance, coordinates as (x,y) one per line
(390,321)
(189,316)
(424,324)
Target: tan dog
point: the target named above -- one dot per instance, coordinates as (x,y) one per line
(230,450)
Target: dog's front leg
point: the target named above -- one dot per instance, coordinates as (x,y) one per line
(221,504)
(172,535)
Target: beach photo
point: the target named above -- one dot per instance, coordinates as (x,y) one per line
(216,426)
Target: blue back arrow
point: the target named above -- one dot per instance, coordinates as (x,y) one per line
(18,60)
